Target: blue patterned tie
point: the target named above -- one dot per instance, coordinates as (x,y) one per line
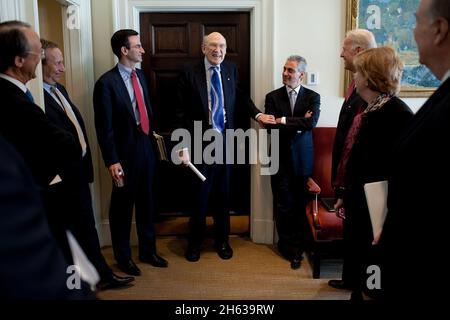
(218,121)
(29,95)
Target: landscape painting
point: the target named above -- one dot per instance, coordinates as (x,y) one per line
(392,22)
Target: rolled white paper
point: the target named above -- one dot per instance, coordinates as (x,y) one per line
(198,173)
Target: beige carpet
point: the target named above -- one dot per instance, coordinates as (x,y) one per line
(256,272)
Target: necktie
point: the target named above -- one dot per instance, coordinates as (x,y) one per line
(29,95)
(292,99)
(71,115)
(145,126)
(218,120)
(350,89)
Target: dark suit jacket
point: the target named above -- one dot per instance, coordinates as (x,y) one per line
(192,100)
(349,109)
(371,153)
(57,116)
(32,265)
(45,148)
(418,212)
(295,147)
(115,121)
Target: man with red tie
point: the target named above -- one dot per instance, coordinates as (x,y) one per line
(123,121)
(355,42)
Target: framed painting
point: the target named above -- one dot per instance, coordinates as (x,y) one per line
(392,22)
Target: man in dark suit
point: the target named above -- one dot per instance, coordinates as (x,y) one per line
(74,196)
(355,42)
(296,110)
(46,149)
(208,92)
(32,264)
(417,219)
(124,124)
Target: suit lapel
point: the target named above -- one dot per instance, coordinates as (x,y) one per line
(226,85)
(426,110)
(122,91)
(300,99)
(51,103)
(285,103)
(200,76)
(146,94)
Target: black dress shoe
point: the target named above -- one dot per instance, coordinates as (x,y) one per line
(224,251)
(338,284)
(155,261)
(296,263)
(129,267)
(192,254)
(114,282)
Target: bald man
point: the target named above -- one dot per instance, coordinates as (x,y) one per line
(208,91)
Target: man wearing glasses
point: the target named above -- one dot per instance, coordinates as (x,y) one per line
(46,149)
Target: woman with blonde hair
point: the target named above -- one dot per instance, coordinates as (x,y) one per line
(367,150)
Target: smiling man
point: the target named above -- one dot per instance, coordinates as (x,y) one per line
(296,110)
(209,92)
(72,196)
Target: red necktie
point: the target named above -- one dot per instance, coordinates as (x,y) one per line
(350,89)
(145,126)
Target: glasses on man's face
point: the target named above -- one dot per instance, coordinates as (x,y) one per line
(40,54)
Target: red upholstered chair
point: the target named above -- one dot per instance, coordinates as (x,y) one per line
(325,226)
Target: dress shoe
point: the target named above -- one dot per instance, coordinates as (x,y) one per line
(155,261)
(129,267)
(192,254)
(224,251)
(296,263)
(338,284)
(114,282)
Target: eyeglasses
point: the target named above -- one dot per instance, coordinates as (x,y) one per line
(40,54)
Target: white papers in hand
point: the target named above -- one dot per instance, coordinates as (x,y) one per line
(198,173)
(376,196)
(87,271)
(55,180)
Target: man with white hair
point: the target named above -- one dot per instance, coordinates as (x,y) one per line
(355,42)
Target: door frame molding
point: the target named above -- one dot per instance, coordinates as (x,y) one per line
(126,15)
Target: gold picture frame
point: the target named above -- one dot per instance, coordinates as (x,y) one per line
(411,88)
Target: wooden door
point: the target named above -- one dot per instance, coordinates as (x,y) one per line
(171,40)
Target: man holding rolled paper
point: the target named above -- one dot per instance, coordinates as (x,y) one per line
(208,93)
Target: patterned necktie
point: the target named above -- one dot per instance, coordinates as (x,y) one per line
(71,115)
(292,99)
(218,120)
(29,95)
(145,125)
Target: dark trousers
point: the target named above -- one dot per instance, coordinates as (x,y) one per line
(357,233)
(86,234)
(289,203)
(59,216)
(137,192)
(217,186)
(69,207)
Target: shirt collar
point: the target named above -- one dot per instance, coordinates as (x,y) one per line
(208,65)
(297,89)
(14,81)
(124,69)
(47,86)
(446,76)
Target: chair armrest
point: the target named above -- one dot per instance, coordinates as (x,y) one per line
(315,211)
